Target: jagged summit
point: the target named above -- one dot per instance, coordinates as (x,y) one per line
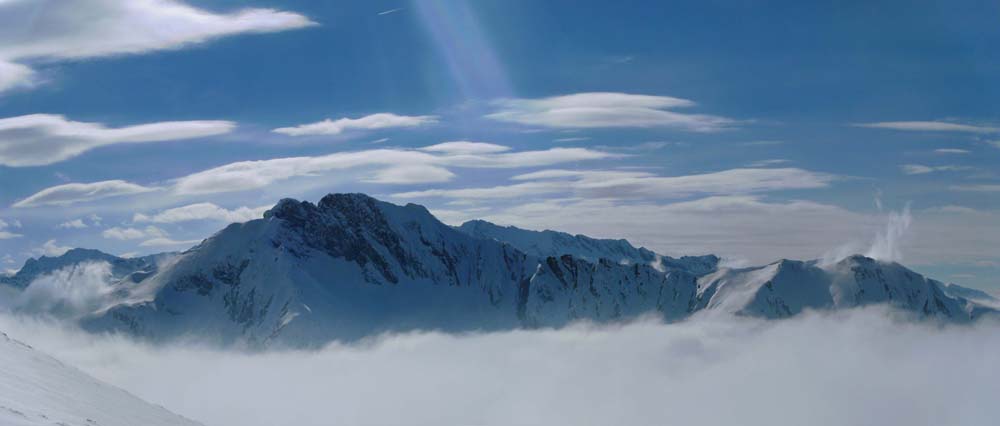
(120,267)
(350,266)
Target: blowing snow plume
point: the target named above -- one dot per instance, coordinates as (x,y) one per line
(887,244)
(70,292)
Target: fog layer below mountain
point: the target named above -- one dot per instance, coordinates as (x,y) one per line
(846,368)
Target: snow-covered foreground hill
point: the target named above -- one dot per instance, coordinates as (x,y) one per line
(36,389)
(351,266)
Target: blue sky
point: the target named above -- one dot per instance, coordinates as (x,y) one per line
(752,130)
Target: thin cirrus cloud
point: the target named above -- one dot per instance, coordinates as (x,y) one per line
(951,151)
(382,120)
(396,166)
(51,248)
(613,184)
(71,30)
(930,126)
(391,166)
(167,242)
(124,234)
(72,193)
(152,236)
(42,139)
(73,224)
(977,188)
(4,233)
(920,169)
(607,110)
(201,211)
(466,147)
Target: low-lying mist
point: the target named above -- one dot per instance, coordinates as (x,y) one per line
(847,368)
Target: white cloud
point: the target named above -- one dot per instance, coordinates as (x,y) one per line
(40,139)
(919,169)
(51,249)
(977,188)
(381,120)
(951,151)
(4,233)
(749,227)
(390,11)
(417,165)
(72,224)
(391,166)
(605,109)
(634,184)
(953,209)
(202,211)
(412,174)
(118,233)
(153,236)
(852,368)
(741,226)
(930,126)
(246,175)
(167,242)
(80,29)
(769,163)
(13,76)
(71,193)
(466,147)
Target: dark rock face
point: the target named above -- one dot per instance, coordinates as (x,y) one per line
(566,289)
(348,226)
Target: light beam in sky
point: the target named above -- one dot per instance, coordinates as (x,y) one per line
(462,43)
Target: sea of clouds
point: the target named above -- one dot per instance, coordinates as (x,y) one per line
(861,367)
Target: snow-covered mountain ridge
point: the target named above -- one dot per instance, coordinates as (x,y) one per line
(351,266)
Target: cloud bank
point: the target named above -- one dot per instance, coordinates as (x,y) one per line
(857,367)
(41,139)
(202,211)
(381,120)
(71,193)
(606,110)
(632,184)
(70,292)
(81,29)
(930,126)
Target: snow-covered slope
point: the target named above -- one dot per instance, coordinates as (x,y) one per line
(786,287)
(351,266)
(346,267)
(543,244)
(36,389)
(565,289)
